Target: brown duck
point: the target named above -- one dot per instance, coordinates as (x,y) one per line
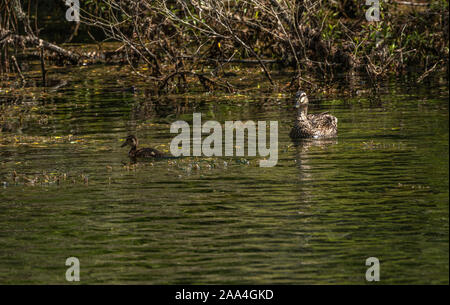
(147,152)
(322,125)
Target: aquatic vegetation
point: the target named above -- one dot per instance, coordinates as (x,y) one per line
(15,117)
(38,141)
(45,179)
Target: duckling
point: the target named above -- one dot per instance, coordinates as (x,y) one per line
(147,152)
(306,125)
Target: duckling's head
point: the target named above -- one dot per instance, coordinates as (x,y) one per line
(301,99)
(130,140)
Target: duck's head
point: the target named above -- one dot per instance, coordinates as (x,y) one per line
(300,99)
(130,140)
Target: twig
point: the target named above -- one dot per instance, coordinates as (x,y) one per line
(411,3)
(17,68)
(44,83)
(426,73)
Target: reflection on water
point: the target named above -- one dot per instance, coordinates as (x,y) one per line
(380,189)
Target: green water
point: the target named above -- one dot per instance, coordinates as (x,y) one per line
(381,189)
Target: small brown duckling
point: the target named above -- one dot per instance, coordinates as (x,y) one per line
(147,152)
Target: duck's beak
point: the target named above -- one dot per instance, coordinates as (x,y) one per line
(124,144)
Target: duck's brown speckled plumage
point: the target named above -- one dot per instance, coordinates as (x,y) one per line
(147,152)
(306,125)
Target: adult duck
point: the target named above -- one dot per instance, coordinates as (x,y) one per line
(322,125)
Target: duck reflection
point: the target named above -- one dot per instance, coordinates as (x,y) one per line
(305,149)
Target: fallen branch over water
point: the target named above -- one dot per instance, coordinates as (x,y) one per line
(40,43)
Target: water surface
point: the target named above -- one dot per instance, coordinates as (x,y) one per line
(379,190)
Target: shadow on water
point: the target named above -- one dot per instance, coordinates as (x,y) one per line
(380,189)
